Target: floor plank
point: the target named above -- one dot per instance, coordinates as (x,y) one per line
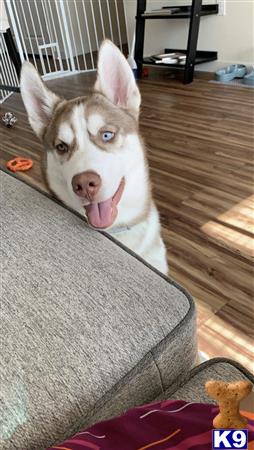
(200,148)
(216,336)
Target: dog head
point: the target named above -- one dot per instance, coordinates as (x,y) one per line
(93,147)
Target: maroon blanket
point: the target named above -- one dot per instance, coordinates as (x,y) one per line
(168,425)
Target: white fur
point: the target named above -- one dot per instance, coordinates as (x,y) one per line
(144,238)
(38,99)
(127,162)
(116,81)
(95,123)
(65,133)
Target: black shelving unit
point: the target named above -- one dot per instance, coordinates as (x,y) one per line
(193,56)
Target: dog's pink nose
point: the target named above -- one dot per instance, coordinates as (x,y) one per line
(86,184)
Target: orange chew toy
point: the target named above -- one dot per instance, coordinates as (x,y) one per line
(19,164)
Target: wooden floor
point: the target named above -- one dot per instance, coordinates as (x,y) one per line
(200,148)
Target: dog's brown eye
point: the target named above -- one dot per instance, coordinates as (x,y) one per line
(62,148)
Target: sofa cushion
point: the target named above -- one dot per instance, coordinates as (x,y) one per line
(191,387)
(87,329)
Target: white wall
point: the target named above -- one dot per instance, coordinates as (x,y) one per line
(231,35)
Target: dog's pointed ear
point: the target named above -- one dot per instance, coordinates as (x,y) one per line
(38,99)
(115,78)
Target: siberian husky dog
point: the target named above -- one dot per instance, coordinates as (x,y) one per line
(95,158)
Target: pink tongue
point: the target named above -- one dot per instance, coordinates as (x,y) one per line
(100,215)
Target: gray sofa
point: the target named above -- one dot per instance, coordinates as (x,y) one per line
(87,328)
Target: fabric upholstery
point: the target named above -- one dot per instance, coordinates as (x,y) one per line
(191,387)
(87,329)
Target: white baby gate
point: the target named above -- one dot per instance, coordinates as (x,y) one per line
(8,75)
(61,36)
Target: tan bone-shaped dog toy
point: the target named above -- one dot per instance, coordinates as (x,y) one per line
(228,397)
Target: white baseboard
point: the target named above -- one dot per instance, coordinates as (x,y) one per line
(202,357)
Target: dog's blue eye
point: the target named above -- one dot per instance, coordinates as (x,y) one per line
(107,136)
